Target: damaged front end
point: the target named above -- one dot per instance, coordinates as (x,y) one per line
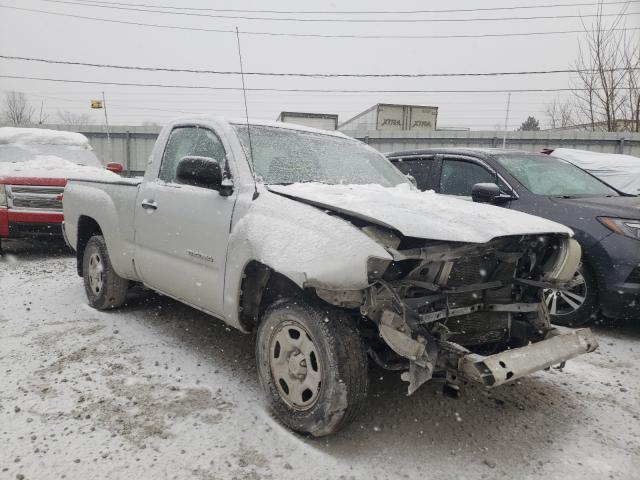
(452,309)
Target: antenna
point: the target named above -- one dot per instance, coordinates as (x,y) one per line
(246,115)
(106,122)
(506,122)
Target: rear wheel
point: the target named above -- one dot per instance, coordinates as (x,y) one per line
(313,366)
(105,289)
(575,305)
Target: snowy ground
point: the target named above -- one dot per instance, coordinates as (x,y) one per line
(158,390)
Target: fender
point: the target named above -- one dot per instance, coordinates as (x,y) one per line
(305,244)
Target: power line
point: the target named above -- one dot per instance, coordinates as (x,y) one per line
(308,90)
(311,75)
(343,20)
(309,35)
(369,12)
(199,99)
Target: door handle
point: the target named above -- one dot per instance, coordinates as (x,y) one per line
(149,205)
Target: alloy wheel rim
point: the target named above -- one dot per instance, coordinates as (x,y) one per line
(569,300)
(96,273)
(295,365)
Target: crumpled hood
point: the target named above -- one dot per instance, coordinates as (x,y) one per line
(420,214)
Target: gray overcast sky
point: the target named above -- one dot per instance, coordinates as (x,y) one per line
(54,37)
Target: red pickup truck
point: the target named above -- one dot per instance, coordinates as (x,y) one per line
(35,165)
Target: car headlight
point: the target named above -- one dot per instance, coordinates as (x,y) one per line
(565,262)
(622,226)
(376,267)
(3,196)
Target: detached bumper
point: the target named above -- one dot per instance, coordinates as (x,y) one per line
(512,364)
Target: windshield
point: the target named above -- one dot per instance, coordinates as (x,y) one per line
(284,156)
(547,175)
(22,153)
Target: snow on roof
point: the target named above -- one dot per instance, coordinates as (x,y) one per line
(620,171)
(261,123)
(288,126)
(39,136)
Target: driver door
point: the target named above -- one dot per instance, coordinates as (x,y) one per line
(458,176)
(181,231)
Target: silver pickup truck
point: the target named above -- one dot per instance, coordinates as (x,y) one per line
(314,241)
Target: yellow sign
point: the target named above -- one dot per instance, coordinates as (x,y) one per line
(96,103)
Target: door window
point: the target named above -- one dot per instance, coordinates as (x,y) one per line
(189,141)
(459,176)
(422,169)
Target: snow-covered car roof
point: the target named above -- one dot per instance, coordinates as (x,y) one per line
(42,153)
(41,136)
(619,171)
(253,122)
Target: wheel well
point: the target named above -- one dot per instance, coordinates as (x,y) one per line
(261,286)
(87,228)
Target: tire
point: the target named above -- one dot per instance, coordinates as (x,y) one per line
(566,313)
(105,289)
(320,387)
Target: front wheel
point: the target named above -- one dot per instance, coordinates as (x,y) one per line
(575,305)
(313,366)
(105,289)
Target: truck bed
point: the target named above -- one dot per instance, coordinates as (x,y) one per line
(110,204)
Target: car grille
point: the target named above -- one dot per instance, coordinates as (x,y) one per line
(29,197)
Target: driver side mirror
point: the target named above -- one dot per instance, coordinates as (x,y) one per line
(485,192)
(490,193)
(202,172)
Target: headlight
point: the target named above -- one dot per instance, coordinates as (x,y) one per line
(376,267)
(567,261)
(3,196)
(622,226)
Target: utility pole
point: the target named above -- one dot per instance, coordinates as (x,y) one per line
(106,121)
(506,122)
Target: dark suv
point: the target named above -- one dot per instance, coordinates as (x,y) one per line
(606,221)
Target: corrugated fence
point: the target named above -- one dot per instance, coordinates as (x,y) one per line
(132,145)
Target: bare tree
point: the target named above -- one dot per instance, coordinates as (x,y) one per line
(16,110)
(43,116)
(73,119)
(607,71)
(631,58)
(559,114)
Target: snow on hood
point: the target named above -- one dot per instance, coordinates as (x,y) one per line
(51,166)
(421,214)
(39,136)
(620,171)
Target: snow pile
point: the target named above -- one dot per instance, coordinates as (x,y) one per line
(40,136)
(51,166)
(620,171)
(421,214)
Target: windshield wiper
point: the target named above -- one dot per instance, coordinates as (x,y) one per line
(565,196)
(292,183)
